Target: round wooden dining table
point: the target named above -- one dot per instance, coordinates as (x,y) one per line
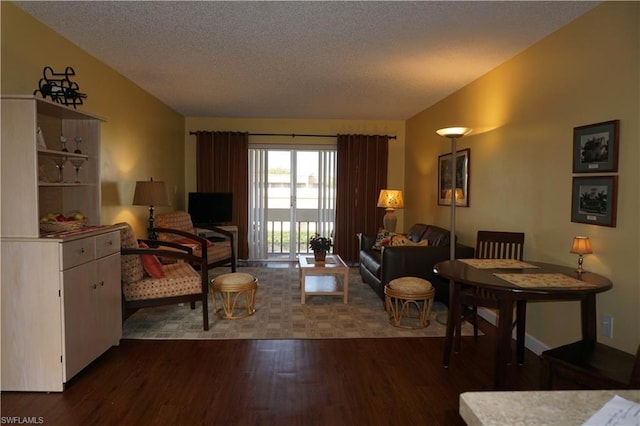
(539,281)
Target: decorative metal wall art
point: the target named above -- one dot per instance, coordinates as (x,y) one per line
(59,87)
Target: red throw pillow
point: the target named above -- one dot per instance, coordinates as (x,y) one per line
(151,264)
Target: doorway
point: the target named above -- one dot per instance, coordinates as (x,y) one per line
(291,198)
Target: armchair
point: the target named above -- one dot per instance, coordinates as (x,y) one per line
(163,284)
(177,227)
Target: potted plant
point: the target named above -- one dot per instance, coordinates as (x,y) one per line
(320,246)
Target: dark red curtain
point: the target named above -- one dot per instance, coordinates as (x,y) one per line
(361,174)
(222,161)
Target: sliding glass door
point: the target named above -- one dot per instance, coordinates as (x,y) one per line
(291,197)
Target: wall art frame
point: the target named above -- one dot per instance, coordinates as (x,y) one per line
(594,200)
(463,166)
(596,147)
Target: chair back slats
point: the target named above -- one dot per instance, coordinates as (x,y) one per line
(500,245)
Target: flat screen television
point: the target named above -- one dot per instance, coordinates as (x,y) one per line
(211,208)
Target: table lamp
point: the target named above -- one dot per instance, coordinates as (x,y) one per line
(390,199)
(151,193)
(581,245)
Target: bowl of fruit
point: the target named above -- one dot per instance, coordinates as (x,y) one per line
(58,222)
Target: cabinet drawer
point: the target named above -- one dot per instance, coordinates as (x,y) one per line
(107,244)
(77,252)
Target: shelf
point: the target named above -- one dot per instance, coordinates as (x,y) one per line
(44,178)
(54,153)
(63,184)
(54,109)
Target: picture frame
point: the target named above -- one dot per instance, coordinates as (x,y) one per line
(596,147)
(463,163)
(594,200)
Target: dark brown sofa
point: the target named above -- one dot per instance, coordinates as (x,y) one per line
(378,267)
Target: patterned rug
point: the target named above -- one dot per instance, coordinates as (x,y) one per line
(279,314)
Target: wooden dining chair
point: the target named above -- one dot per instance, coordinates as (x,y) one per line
(493,245)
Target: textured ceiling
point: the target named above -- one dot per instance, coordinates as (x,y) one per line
(334,60)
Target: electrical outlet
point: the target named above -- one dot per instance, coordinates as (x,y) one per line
(607,326)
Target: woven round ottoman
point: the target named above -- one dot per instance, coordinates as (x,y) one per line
(237,292)
(408,302)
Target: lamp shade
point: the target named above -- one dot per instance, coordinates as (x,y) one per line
(453,132)
(391,198)
(581,245)
(150,193)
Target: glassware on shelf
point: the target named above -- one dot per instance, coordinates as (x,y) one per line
(77,164)
(63,144)
(59,161)
(78,141)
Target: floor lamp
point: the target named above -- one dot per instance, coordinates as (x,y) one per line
(151,193)
(452,133)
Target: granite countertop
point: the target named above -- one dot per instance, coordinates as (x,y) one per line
(562,408)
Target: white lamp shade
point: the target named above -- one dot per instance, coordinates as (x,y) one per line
(453,132)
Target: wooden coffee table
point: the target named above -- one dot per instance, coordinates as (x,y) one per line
(323,278)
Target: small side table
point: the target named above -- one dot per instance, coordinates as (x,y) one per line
(323,277)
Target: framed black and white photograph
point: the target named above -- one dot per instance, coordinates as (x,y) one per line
(595,147)
(462,178)
(594,200)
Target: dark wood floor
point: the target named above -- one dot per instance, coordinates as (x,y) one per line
(273,382)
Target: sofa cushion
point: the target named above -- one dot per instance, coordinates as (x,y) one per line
(179,279)
(438,237)
(416,232)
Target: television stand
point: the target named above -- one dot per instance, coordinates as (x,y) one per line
(213,235)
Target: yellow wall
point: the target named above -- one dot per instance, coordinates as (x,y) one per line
(395,175)
(141,137)
(523,113)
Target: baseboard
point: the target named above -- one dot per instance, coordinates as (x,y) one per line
(530,342)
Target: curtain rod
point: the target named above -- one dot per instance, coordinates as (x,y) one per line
(293,135)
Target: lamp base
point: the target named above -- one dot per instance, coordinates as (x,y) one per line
(390,220)
(151,233)
(580,270)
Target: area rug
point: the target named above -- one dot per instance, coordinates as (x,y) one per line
(279,314)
